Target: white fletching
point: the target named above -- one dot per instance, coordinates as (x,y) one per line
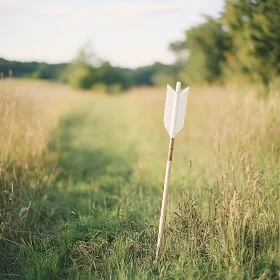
(175,109)
(174,116)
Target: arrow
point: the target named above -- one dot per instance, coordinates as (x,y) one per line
(174,116)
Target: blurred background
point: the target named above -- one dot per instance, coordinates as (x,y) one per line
(83,146)
(117,44)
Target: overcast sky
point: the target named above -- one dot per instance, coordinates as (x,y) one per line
(128,33)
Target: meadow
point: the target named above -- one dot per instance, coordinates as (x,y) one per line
(81,181)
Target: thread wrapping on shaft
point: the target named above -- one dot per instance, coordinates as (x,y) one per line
(170,151)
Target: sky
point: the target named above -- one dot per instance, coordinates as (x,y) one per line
(128,33)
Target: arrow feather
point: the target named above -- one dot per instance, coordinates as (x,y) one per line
(175,110)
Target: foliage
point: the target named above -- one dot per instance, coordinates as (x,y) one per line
(86,72)
(254,27)
(79,75)
(32,69)
(244,41)
(144,75)
(207,45)
(112,76)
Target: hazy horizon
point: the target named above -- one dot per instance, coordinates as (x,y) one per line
(128,34)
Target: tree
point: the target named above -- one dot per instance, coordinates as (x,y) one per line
(113,77)
(79,75)
(254,26)
(206,45)
(81,72)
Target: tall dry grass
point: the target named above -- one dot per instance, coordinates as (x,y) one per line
(27,117)
(22,140)
(227,223)
(224,210)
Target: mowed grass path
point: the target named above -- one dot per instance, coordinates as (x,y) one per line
(100,210)
(99,218)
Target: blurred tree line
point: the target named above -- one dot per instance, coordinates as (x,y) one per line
(39,70)
(86,71)
(81,73)
(244,42)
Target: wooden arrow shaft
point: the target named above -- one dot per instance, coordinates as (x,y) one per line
(165,196)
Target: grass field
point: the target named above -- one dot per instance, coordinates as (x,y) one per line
(82,177)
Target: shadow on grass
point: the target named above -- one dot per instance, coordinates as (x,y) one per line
(91,219)
(97,225)
(89,176)
(84,164)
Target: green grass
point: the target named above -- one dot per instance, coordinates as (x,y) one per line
(98,218)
